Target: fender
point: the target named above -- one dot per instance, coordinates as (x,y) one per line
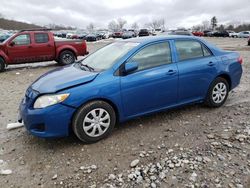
(5,57)
(65,47)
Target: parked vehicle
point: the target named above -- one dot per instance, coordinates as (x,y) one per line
(198,33)
(206,32)
(117,34)
(233,34)
(39,45)
(127,79)
(82,35)
(93,37)
(4,37)
(135,33)
(221,34)
(144,32)
(210,33)
(180,32)
(127,34)
(103,34)
(244,34)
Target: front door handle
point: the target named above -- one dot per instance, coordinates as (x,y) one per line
(211,63)
(171,72)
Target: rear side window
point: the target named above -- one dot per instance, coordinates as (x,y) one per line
(152,56)
(188,49)
(41,37)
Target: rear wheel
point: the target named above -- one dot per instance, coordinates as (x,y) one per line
(94,121)
(217,93)
(66,57)
(2,65)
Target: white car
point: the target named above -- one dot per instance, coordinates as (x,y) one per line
(244,34)
(233,34)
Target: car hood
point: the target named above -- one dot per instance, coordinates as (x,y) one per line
(62,78)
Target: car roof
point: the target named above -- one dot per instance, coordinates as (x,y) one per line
(149,39)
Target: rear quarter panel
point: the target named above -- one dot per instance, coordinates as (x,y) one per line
(229,65)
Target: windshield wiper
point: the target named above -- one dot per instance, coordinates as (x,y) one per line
(85,66)
(90,68)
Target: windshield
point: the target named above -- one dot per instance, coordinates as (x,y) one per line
(106,57)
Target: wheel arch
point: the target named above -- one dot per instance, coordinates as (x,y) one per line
(66,49)
(111,103)
(227,78)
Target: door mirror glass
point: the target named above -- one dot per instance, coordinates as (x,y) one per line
(131,66)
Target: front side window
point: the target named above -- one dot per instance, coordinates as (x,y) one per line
(152,56)
(41,37)
(188,49)
(22,39)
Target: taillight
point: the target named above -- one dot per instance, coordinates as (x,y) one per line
(240,60)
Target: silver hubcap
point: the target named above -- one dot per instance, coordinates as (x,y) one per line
(219,92)
(96,122)
(67,58)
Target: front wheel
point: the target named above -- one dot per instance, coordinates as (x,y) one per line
(66,57)
(217,93)
(94,121)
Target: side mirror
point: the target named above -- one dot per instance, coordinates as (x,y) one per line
(131,66)
(12,43)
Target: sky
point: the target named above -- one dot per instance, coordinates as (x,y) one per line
(77,13)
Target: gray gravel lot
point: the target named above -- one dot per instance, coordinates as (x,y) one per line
(193,146)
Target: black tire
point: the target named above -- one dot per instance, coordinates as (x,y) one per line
(2,65)
(85,112)
(66,57)
(221,98)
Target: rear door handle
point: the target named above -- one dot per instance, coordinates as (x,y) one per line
(29,46)
(171,72)
(211,63)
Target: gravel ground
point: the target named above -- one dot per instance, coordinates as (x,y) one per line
(193,146)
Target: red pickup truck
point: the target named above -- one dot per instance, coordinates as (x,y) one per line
(28,46)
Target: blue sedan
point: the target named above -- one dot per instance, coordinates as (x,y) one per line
(127,79)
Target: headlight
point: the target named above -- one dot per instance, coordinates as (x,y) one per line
(48,100)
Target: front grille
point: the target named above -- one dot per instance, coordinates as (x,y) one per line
(30,95)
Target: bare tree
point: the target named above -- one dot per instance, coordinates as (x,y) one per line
(197,28)
(121,22)
(205,25)
(156,24)
(90,27)
(113,26)
(135,26)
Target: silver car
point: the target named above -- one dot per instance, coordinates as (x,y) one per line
(244,34)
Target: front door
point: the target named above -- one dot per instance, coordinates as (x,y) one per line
(19,49)
(154,84)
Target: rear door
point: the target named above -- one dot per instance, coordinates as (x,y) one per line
(197,68)
(43,47)
(154,84)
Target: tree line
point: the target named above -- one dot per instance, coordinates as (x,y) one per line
(213,25)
